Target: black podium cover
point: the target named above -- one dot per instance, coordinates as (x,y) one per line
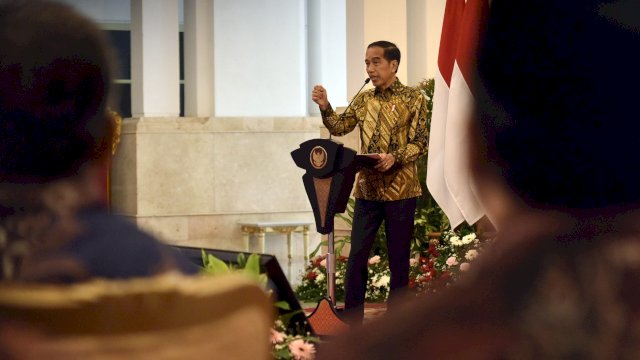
(330,173)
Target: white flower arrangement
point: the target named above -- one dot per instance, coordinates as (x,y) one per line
(455,241)
(468,239)
(382,281)
(471,254)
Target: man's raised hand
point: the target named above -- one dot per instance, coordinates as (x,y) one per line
(319,96)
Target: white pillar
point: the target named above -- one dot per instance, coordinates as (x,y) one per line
(260,58)
(387,20)
(327,50)
(435,16)
(417,47)
(369,21)
(356,72)
(155,67)
(198,58)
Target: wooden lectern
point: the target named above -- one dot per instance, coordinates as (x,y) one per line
(330,173)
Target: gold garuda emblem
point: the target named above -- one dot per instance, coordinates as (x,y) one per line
(318,157)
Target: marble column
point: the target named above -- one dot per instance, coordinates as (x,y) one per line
(198,58)
(435,15)
(424,24)
(417,40)
(369,21)
(327,50)
(155,71)
(356,72)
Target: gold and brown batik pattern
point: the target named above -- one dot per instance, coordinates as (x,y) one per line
(391,121)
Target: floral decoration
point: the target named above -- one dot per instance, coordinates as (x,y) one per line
(443,261)
(285,345)
(313,285)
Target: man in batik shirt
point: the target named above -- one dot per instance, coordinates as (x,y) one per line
(392,119)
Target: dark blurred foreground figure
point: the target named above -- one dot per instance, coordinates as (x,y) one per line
(55,134)
(558,98)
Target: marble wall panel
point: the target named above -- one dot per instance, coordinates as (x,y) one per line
(175,173)
(124,176)
(190,181)
(254,172)
(169,229)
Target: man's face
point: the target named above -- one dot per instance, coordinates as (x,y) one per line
(381,72)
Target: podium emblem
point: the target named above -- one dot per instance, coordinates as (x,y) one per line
(318,157)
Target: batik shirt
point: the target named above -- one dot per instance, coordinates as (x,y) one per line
(60,232)
(393,121)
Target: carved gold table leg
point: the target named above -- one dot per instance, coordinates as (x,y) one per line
(261,241)
(245,239)
(289,251)
(305,243)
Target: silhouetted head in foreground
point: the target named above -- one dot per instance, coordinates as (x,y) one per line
(558,97)
(55,140)
(55,78)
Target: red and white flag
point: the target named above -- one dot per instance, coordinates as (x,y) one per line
(448,171)
(461,111)
(436,157)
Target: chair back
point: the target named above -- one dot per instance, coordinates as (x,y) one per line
(170,316)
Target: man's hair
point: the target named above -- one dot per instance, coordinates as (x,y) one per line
(560,116)
(55,79)
(390,50)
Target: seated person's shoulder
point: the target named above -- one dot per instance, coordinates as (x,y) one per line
(111,246)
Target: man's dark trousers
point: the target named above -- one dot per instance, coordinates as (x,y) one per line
(367,218)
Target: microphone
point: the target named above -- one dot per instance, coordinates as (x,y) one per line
(366,81)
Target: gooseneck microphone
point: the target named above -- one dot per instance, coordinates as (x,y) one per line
(366,81)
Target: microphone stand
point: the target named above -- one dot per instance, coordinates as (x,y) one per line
(331,257)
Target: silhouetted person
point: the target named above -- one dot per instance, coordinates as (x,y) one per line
(55,134)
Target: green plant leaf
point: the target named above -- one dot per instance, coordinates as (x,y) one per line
(286,318)
(315,251)
(252,268)
(282,305)
(242,261)
(205,261)
(216,266)
(338,247)
(282,353)
(346,219)
(262,280)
